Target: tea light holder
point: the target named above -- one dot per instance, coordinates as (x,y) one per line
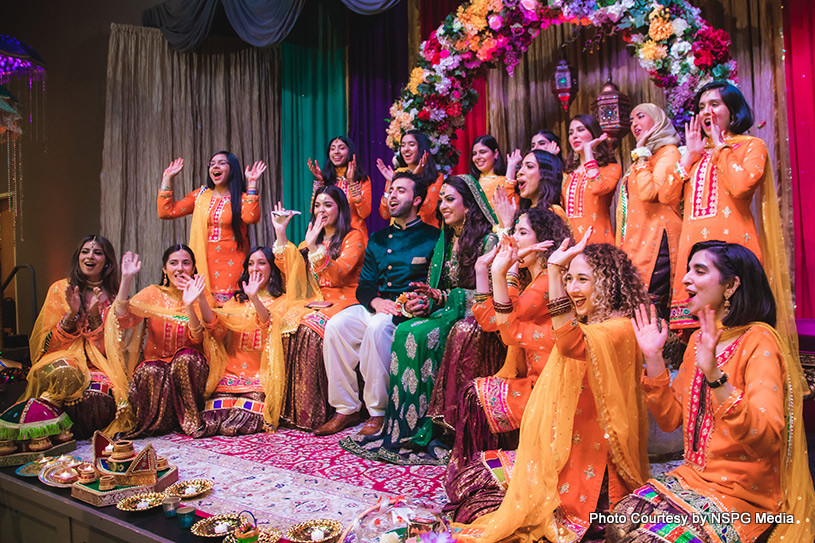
(107,482)
(186,516)
(170,504)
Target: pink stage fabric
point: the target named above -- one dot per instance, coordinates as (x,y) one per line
(799,41)
(432,13)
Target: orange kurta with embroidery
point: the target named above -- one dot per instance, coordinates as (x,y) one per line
(587,201)
(490,182)
(718,196)
(244,345)
(428,210)
(732,449)
(527,330)
(581,479)
(224,258)
(649,207)
(167,333)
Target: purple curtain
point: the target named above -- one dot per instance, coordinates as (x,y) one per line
(370,7)
(377,72)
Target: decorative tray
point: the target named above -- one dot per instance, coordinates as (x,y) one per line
(141,502)
(267,535)
(311,530)
(216,526)
(189,489)
(58,475)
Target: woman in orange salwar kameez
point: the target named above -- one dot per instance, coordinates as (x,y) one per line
(722,170)
(591,179)
(341,169)
(583,436)
(169,375)
(414,155)
(648,219)
(491,407)
(246,351)
(488,165)
(335,252)
(220,212)
(737,397)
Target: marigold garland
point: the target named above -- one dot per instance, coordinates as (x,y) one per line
(483,34)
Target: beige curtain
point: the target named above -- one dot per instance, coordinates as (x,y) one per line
(161,105)
(520,105)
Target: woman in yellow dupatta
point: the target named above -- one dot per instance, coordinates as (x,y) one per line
(70,371)
(246,351)
(169,374)
(583,434)
(220,212)
(737,397)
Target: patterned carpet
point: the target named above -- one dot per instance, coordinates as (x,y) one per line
(289,476)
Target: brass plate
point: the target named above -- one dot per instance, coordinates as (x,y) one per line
(267,535)
(189,489)
(302,532)
(141,502)
(206,527)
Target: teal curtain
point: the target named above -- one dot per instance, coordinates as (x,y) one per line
(313,102)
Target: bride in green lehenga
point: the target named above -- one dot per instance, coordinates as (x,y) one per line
(418,344)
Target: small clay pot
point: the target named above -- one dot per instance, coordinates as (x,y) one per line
(161,463)
(64,436)
(7,446)
(39,444)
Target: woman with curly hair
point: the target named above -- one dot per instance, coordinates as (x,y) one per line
(419,343)
(582,445)
(341,170)
(414,156)
(592,176)
(70,370)
(737,398)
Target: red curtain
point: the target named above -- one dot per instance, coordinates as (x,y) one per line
(432,13)
(799,41)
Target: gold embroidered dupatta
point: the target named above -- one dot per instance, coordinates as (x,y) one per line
(198,232)
(81,351)
(614,365)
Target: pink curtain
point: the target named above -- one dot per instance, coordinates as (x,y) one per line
(799,41)
(432,13)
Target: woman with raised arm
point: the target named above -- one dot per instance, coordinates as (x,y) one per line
(220,212)
(246,354)
(488,410)
(648,218)
(169,375)
(414,155)
(70,371)
(542,140)
(334,252)
(488,166)
(737,397)
(592,176)
(582,444)
(406,436)
(341,169)
(722,169)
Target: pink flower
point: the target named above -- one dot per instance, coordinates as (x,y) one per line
(495,22)
(529,5)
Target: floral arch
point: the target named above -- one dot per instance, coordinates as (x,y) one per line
(678,48)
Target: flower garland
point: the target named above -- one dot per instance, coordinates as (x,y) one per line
(679,49)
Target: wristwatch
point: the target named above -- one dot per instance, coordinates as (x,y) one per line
(718,382)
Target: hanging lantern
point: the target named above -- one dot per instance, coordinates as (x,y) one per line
(612,109)
(564,83)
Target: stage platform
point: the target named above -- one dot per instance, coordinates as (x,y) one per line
(283,478)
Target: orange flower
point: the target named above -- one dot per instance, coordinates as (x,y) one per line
(416,79)
(650,50)
(660,29)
